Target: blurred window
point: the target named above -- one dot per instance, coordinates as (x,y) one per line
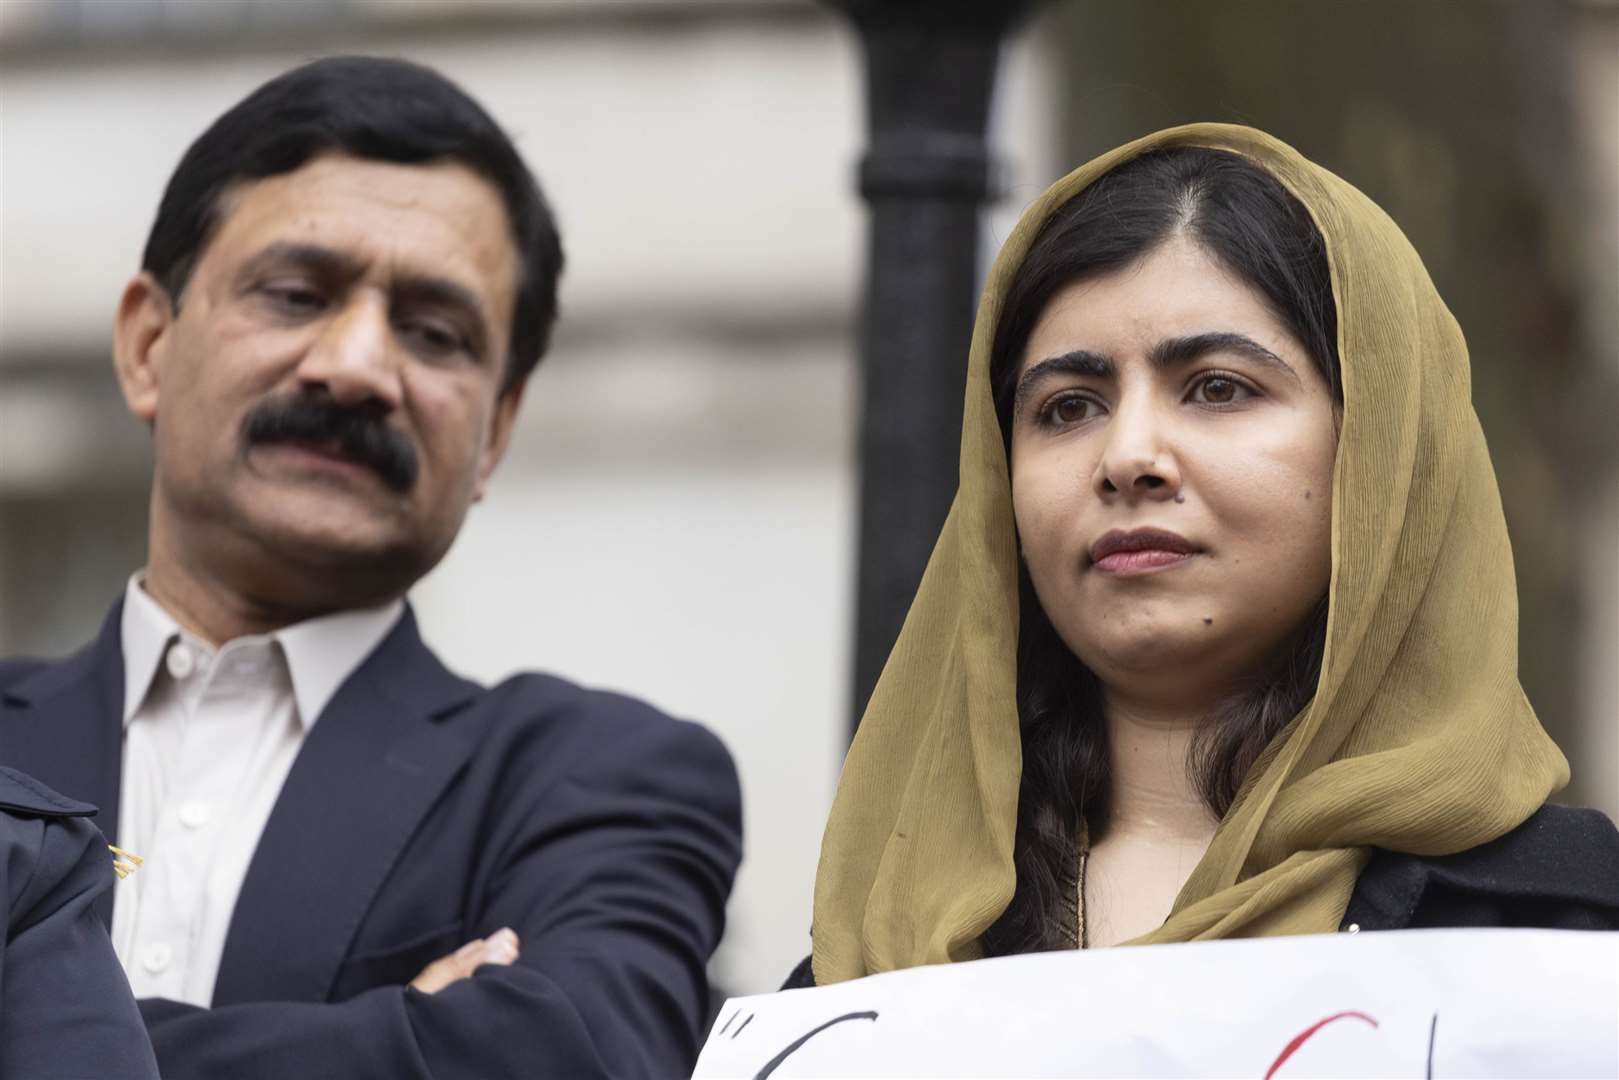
(98,21)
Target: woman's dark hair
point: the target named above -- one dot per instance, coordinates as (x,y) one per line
(367,107)
(1243,217)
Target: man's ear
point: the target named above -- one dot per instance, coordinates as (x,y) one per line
(144,317)
(500,434)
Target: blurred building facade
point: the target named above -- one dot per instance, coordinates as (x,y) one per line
(675,517)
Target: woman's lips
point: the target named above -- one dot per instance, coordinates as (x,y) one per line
(1140,551)
(1129,563)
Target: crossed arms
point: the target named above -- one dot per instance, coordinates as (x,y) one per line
(612,868)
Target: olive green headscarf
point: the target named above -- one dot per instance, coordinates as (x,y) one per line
(1418,739)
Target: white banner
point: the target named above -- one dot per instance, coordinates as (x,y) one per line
(1412,1004)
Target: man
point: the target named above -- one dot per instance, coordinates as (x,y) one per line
(358,864)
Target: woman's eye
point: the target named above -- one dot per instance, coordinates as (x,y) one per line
(1219,390)
(1069,410)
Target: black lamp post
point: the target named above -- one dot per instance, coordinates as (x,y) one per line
(930,73)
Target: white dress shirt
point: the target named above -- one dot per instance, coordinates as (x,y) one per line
(209,737)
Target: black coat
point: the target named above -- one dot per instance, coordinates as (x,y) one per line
(65,1008)
(1557,871)
(423,811)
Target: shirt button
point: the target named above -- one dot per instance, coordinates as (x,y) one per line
(195,814)
(180,662)
(1352,928)
(156,957)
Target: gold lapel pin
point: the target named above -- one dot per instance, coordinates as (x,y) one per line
(124,862)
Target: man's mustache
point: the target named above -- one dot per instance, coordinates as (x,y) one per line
(359,433)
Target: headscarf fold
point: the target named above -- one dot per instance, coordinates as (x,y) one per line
(1418,738)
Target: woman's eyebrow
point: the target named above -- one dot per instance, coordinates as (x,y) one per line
(1078,362)
(1178,351)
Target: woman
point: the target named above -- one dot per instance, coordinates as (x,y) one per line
(1220,638)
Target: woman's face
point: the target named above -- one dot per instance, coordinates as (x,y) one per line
(1172,453)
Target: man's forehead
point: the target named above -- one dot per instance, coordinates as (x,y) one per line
(337,182)
(440,213)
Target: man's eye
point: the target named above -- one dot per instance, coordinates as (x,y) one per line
(294,299)
(1219,390)
(432,337)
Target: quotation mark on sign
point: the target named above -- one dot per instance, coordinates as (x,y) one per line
(740,1026)
(793,1047)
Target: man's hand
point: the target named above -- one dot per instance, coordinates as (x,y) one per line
(498,948)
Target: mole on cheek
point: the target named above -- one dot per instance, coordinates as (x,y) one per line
(1306,494)
(1208,622)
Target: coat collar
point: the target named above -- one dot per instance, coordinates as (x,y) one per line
(367,773)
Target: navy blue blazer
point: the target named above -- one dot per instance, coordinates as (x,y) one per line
(423,811)
(65,1008)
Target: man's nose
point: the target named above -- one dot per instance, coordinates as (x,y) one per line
(355,358)
(1139,460)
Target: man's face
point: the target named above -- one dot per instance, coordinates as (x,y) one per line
(328,391)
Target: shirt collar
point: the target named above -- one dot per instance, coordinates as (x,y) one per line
(321,653)
(146,631)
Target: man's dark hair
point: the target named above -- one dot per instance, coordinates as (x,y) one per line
(1245,219)
(366,107)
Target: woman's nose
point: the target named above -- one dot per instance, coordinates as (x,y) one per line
(1138,460)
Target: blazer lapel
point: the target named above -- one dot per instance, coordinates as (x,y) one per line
(64,725)
(371,767)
